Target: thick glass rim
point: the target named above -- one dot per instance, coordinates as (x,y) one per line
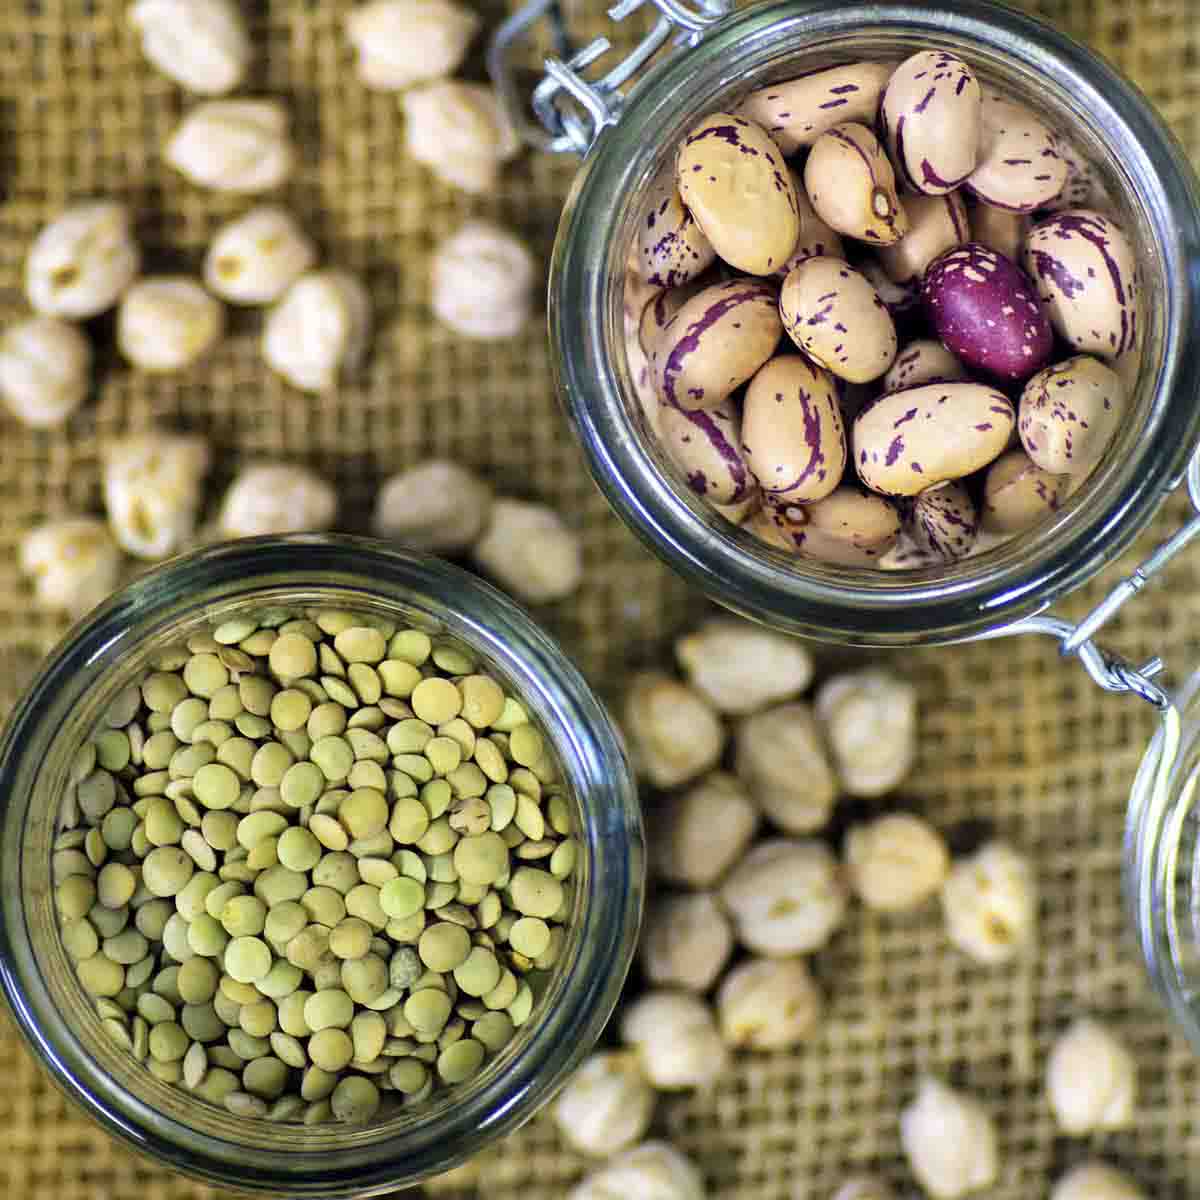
(977,595)
(594,763)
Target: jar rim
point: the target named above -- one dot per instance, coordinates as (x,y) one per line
(980,594)
(595,767)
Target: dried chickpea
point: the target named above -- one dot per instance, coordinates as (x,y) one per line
(606,1106)
(45,366)
(676,1038)
(318,330)
(697,834)
(402,42)
(461,132)
(949,1140)
(768,1004)
(864,1187)
(434,505)
(686,941)
(528,549)
(782,760)
(990,904)
(482,281)
(739,668)
(1096,1181)
(167,323)
(276,498)
(674,734)
(152,490)
(233,146)
(651,1171)
(256,257)
(82,262)
(1091,1080)
(870,721)
(896,862)
(200,44)
(74,563)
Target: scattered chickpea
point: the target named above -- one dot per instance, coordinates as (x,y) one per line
(256,257)
(74,564)
(697,834)
(482,279)
(990,904)
(676,1038)
(785,897)
(870,721)
(781,758)
(739,668)
(651,1171)
(1091,1080)
(167,323)
(949,1140)
(434,505)
(1096,1181)
(606,1106)
(529,550)
(896,862)
(686,941)
(45,367)
(402,42)
(461,132)
(152,491)
(318,330)
(82,262)
(200,44)
(674,733)
(768,1004)
(277,498)
(233,146)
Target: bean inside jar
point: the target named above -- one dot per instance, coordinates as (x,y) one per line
(315,866)
(882,316)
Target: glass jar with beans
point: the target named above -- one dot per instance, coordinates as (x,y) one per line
(327,876)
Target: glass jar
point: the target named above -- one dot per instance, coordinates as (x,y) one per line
(63,707)
(1154,197)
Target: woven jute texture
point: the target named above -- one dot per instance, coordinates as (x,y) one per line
(1012,739)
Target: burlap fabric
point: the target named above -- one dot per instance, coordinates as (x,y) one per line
(1010,736)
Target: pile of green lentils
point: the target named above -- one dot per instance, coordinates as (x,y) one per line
(314,857)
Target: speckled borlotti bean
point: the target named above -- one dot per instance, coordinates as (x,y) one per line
(1083,187)
(707,447)
(999,229)
(944,522)
(836,317)
(1017,494)
(852,185)
(987,313)
(1085,273)
(1068,414)
(792,432)
(1020,167)
(716,342)
(657,314)
(931,118)
(736,185)
(671,246)
(935,224)
(796,112)
(815,238)
(923,361)
(851,527)
(908,441)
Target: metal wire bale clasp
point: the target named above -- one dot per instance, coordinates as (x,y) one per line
(572,107)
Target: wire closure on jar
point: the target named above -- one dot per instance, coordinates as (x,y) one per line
(573,109)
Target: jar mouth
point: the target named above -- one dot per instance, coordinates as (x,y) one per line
(74,688)
(1158,204)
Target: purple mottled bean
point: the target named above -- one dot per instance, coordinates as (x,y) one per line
(1017,494)
(851,527)
(906,442)
(793,439)
(1020,166)
(920,362)
(935,224)
(852,186)
(736,185)
(715,342)
(944,522)
(706,445)
(796,112)
(987,312)
(1069,414)
(931,119)
(671,248)
(1086,275)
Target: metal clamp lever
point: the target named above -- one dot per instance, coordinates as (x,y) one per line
(573,109)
